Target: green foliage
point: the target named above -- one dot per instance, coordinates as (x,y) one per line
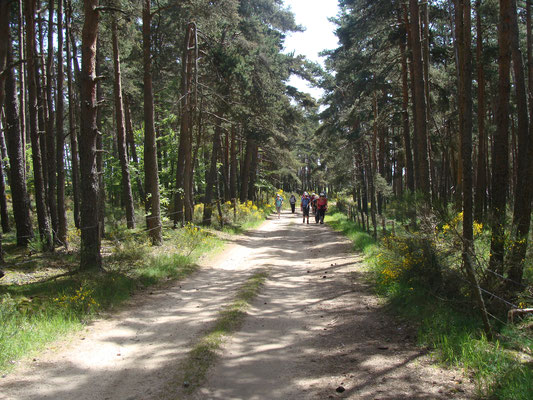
(362,241)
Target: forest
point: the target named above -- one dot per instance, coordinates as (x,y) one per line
(155,116)
(211,120)
(432,103)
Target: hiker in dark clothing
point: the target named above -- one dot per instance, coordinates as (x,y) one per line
(304,206)
(292,201)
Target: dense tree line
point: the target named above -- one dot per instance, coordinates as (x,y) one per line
(434,99)
(211,120)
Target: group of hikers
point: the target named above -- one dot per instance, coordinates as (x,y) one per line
(318,204)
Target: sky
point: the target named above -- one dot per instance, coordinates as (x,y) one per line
(319,34)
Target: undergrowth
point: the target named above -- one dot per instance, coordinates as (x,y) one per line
(409,272)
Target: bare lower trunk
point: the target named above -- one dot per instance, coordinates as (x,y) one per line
(151,173)
(233,165)
(420,118)
(211,176)
(60,134)
(72,100)
(50,131)
(90,229)
(245,171)
(42,216)
(500,154)
(481,175)
(15,148)
(121,131)
(523,191)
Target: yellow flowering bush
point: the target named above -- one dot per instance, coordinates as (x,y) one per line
(409,259)
(81,301)
(191,237)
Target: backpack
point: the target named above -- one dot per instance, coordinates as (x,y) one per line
(279,201)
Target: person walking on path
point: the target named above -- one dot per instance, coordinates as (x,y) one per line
(304,206)
(314,199)
(322,206)
(279,203)
(292,201)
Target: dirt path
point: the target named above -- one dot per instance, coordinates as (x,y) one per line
(314,327)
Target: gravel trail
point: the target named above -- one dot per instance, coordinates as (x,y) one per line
(314,329)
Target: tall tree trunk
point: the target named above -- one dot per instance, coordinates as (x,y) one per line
(408,155)
(463,27)
(4,38)
(43,107)
(233,165)
(72,106)
(253,172)
(151,173)
(50,131)
(524,180)
(121,130)
(133,150)
(372,192)
(500,153)
(14,137)
(183,177)
(100,143)
(481,176)
(211,176)
(22,85)
(245,170)
(90,229)
(420,119)
(60,134)
(42,216)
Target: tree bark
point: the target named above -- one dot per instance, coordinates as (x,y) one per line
(420,118)
(253,172)
(481,176)
(22,87)
(523,191)
(233,165)
(245,171)
(133,150)
(408,155)
(4,38)
(50,131)
(90,229)
(121,130)
(42,217)
(500,153)
(14,138)
(151,173)
(183,172)
(211,176)
(463,28)
(72,107)
(60,134)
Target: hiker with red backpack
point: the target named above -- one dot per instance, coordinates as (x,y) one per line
(322,207)
(305,203)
